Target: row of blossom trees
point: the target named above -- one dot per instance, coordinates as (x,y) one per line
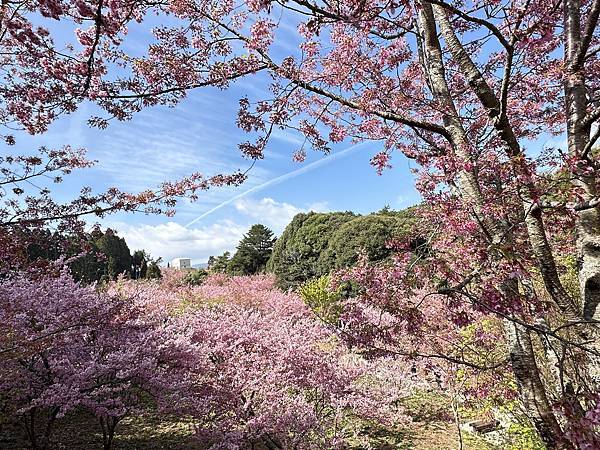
(242,362)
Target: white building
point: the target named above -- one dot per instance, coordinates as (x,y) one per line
(181,263)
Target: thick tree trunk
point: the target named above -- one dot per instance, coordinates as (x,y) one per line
(588,253)
(531,387)
(545,261)
(588,249)
(578,138)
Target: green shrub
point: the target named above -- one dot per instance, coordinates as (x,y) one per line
(316,244)
(195,277)
(295,257)
(325,302)
(364,233)
(520,434)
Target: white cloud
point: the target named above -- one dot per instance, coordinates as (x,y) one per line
(172,240)
(271,213)
(280,179)
(319,207)
(401,200)
(267,211)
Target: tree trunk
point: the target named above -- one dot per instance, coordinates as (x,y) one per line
(531,389)
(588,252)
(578,138)
(108,425)
(532,215)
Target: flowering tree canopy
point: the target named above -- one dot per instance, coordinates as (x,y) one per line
(246,362)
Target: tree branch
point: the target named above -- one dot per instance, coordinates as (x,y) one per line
(490,26)
(588,34)
(428,126)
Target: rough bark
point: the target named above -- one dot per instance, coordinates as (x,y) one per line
(588,248)
(531,389)
(432,56)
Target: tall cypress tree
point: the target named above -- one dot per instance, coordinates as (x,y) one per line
(118,257)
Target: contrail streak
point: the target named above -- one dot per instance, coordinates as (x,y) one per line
(280,179)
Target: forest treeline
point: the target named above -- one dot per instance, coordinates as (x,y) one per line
(312,245)
(94,256)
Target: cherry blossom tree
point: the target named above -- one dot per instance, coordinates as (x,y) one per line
(267,372)
(469,90)
(259,368)
(67,348)
(28,200)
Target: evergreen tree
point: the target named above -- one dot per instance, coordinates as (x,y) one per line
(118,257)
(369,234)
(296,253)
(140,264)
(315,244)
(89,267)
(153,270)
(196,277)
(253,251)
(219,264)
(93,256)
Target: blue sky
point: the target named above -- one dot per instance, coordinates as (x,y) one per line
(200,135)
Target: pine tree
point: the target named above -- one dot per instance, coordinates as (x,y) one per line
(219,264)
(253,251)
(153,270)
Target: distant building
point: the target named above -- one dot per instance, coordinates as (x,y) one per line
(181,263)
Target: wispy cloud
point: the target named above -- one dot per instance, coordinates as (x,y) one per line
(280,179)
